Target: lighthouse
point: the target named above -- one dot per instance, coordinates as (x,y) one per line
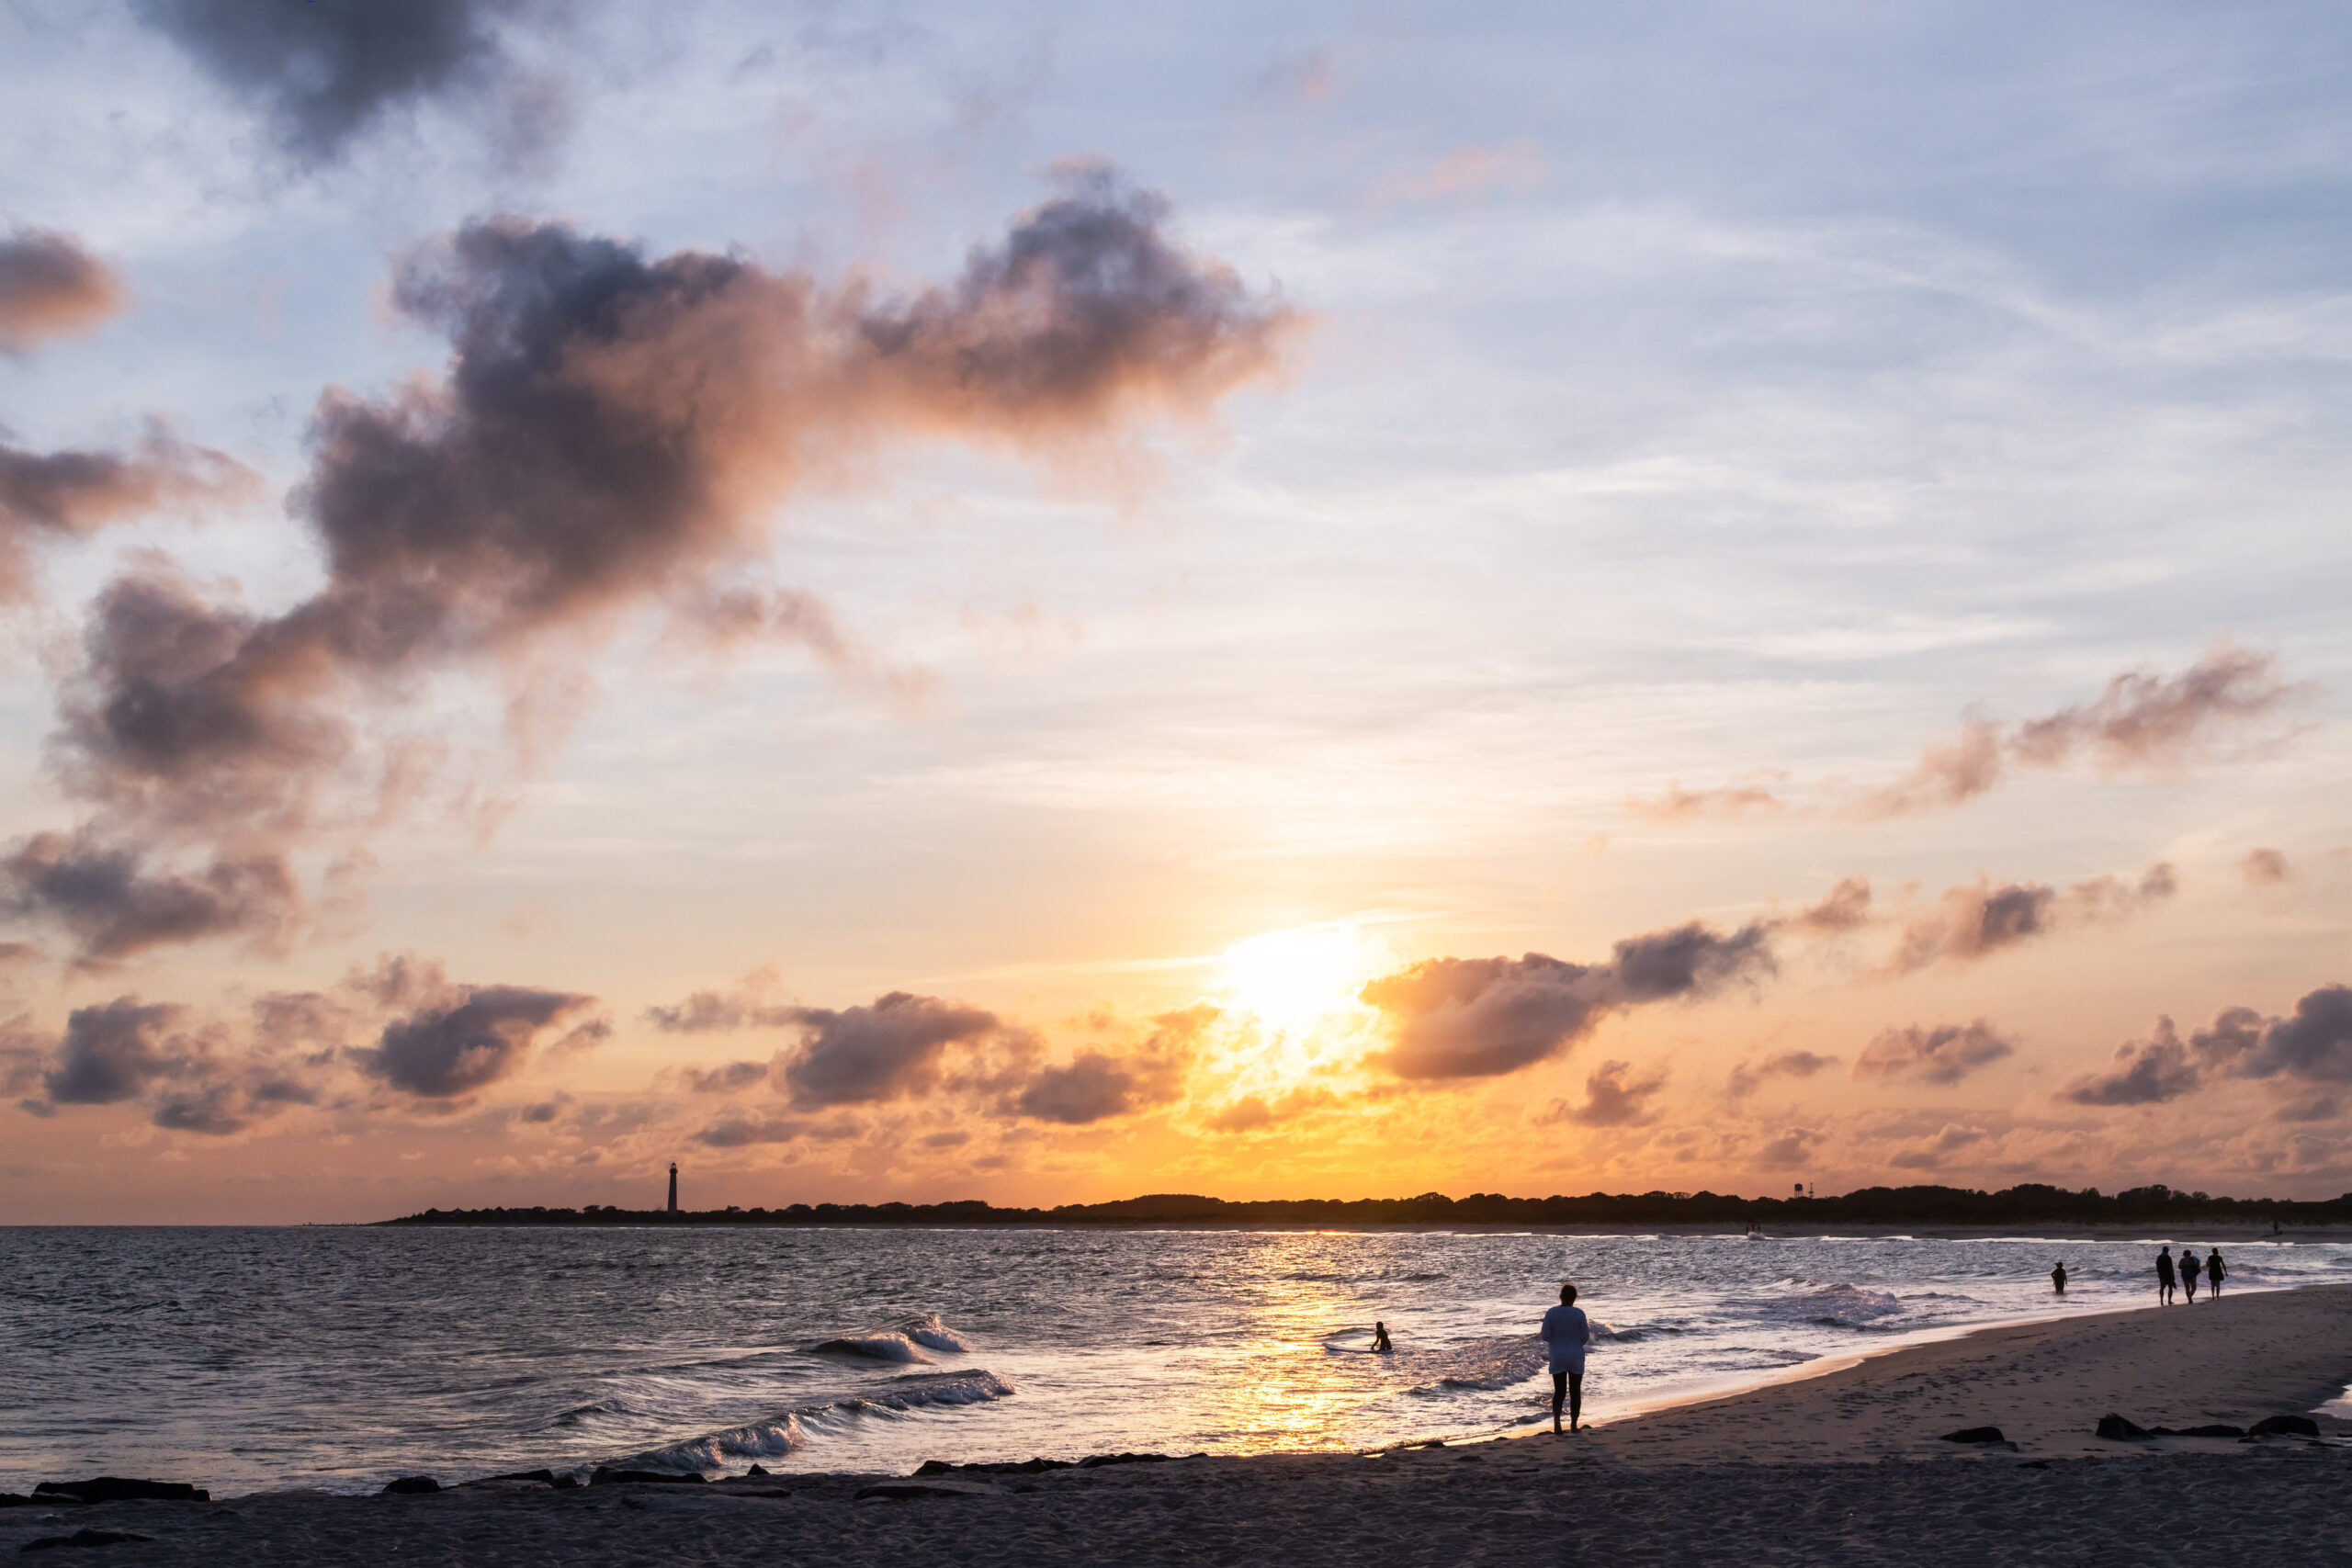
(674,1187)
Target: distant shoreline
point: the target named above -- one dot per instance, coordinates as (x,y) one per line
(1942,1210)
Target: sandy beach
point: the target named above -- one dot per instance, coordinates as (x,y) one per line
(1844,1467)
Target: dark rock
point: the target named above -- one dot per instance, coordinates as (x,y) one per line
(562,1482)
(2035,1464)
(1096,1461)
(82,1538)
(545,1477)
(604,1477)
(2284,1425)
(2117,1427)
(2214,1431)
(755,1470)
(119,1489)
(997,1467)
(907,1490)
(15,1500)
(410,1486)
(1976,1435)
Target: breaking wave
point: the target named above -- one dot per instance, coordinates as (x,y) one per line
(790,1430)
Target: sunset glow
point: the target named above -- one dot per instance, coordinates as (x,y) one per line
(894,607)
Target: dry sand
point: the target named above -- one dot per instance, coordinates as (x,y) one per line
(1840,1469)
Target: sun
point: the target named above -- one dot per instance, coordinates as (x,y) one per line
(1292,979)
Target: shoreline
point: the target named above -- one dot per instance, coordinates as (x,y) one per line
(1848,1466)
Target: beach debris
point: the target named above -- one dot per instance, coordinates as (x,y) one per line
(82,1538)
(1976,1435)
(907,1490)
(410,1486)
(2284,1425)
(604,1477)
(122,1489)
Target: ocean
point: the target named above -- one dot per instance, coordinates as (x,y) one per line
(252,1360)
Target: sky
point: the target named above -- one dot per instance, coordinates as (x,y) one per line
(1043,602)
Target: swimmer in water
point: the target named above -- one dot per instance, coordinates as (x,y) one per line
(1380,1345)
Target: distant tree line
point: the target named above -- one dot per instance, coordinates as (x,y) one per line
(2032,1203)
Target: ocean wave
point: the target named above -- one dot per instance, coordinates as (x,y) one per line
(1837,1305)
(928,1330)
(1472,1366)
(790,1430)
(886,1346)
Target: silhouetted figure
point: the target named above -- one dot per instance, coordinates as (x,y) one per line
(1380,1346)
(2058,1278)
(1566,1333)
(2214,1273)
(2190,1267)
(2163,1276)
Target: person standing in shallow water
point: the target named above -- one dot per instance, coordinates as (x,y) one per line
(2163,1276)
(2214,1273)
(2058,1278)
(2189,1267)
(1566,1333)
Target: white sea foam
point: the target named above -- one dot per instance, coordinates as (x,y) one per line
(788,1431)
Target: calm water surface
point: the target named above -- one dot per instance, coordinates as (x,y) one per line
(251,1358)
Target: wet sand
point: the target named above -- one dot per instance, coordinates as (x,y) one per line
(1845,1468)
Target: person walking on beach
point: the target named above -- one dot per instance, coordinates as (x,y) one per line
(2163,1276)
(2214,1273)
(2190,1268)
(2058,1277)
(1566,1333)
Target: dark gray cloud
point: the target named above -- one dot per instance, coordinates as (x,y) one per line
(114,904)
(483,1035)
(616,432)
(1966,924)
(323,72)
(2314,1045)
(858,1054)
(732,1078)
(1944,1054)
(2142,721)
(72,494)
(1615,1096)
(1096,1085)
(51,286)
(2164,1067)
(1747,1078)
(1458,1018)
(112,1053)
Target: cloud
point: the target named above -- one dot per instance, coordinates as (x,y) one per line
(1846,907)
(859,1054)
(113,1053)
(1458,1018)
(750,1004)
(1931,1154)
(477,1036)
(72,494)
(2145,1072)
(1790,1150)
(323,72)
(2142,721)
(1967,924)
(614,433)
(114,907)
(1095,1086)
(51,286)
(2264,868)
(1944,1054)
(1255,1112)
(1746,1079)
(1611,1098)
(2315,1045)
(728,1080)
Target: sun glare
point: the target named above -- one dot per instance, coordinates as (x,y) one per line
(1289,979)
